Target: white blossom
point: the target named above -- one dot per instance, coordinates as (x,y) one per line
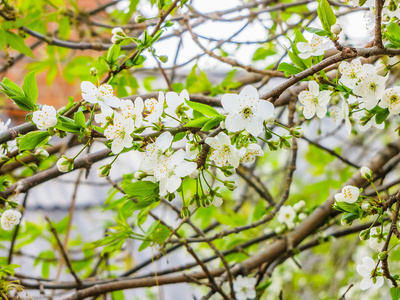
(391,100)
(118,35)
(366,270)
(170,171)
(316,47)
(133,110)
(299,205)
(154,108)
(314,101)
(351,72)
(45,118)
(105,115)
(340,114)
(371,123)
(9,218)
(376,239)
(252,151)
(370,87)
(174,102)
(4,126)
(119,133)
(286,215)
(103,95)
(349,194)
(155,150)
(246,111)
(244,287)
(222,152)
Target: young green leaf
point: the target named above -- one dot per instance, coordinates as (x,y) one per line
(33,139)
(30,87)
(18,43)
(203,108)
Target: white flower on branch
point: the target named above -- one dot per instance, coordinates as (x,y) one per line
(154,108)
(170,171)
(222,151)
(366,269)
(246,111)
(370,87)
(120,133)
(340,114)
(105,115)
(103,95)
(252,151)
(244,287)
(350,72)
(155,150)
(64,164)
(316,47)
(391,100)
(286,215)
(349,194)
(4,126)
(177,107)
(133,110)
(9,218)
(314,101)
(45,118)
(377,239)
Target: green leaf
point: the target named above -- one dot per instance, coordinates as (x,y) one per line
(33,139)
(18,43)
(30,87)
(393,34)
(212,123)
(79,118)
(289,69)
(199,122)
(141,189)
(326,15)
(317,31)
(113,54)
(179,136)
(67,124)
(395,293)
(203,108)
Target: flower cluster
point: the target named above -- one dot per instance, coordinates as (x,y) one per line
(289,216)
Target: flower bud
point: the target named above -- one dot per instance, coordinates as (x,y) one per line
(366,173)
(392,6)
(385,18)
(273,145)
(41,153)
(284,142)
(345,222)
(205,201)
(336,29)
(118,31)
(139,175)
(230,185)
(170,197)
(299,205)
(297,132)
(228,170)
(185,212)
(302,216)
(93,71)
(33,167)
(116,39)
(65,164)
(140,19)
(164,59)
(365,206)
(104,171)
(364,234)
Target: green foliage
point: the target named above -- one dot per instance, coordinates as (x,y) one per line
(25,99)
(326,15)
(33,139)
(393,35)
